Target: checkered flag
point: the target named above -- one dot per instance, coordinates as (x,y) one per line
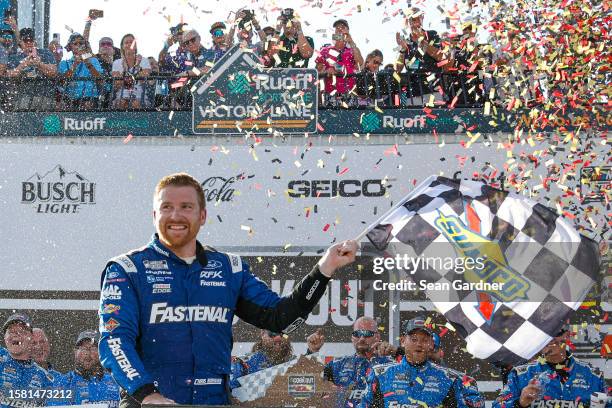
(545,266)
(254,386)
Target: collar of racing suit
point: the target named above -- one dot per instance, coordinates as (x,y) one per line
(161,249)
(563,369)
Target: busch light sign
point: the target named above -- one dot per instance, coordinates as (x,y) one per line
(238,95)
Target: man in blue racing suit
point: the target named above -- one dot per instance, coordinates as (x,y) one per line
(416,382)
(555,379)
(167,309)
(349,372)
(88,383)
(23,383)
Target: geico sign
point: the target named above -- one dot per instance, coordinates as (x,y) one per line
(395,122)
(333,188)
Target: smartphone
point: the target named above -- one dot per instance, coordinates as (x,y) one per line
(56,37)
(93,13)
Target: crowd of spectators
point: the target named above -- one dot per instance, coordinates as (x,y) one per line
(428,69)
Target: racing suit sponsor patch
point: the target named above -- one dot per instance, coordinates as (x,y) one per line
(111,325)
(208,381)
(162,313)
(115,346)
(126,263)
(162,288)
(110,309)
(111,292)
(155,265)
(296,323)
(235,262)
(312,290)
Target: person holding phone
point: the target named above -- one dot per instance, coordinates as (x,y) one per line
(336,61)
(79,92)
(35,64)
(293,49)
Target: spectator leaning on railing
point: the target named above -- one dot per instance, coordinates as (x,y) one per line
(56,49)
(373,87)
(293,49)
(80,93)
(338,60)
(222,40)
(31,62)
(128,73)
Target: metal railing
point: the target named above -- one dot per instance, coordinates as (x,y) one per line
(165,92)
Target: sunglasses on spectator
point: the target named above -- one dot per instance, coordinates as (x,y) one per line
(273,334)
(218,33)
(27,40)
(189,41)
(77,43)
(106,44)
(363,333)
(376,62)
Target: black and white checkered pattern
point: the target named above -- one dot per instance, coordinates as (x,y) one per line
(254,386)
(558,263)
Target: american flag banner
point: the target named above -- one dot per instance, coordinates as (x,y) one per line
(532,267)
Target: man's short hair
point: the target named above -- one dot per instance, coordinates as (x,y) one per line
(182,180)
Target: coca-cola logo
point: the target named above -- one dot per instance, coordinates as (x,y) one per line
(221,188)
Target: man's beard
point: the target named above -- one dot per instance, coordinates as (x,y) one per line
(275,356)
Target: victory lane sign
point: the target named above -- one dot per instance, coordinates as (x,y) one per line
(239,95)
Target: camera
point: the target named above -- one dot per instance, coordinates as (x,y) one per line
(337,37)
(287,14)
(177,29)
(248,15)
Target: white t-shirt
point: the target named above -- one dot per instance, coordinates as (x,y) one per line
(136,91)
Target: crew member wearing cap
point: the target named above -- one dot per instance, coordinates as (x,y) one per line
(271,349)
(17,370)
(556,379)
(414,380)
(88,383)
(349,372)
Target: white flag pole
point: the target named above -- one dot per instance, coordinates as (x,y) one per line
(414,193)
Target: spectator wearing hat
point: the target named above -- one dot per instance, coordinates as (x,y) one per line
(41,349)
(18,371)
(221,39)
(80,92)
(293,49)
(128,73)
(88,382)
(32,63)
(439,386)
(338,60)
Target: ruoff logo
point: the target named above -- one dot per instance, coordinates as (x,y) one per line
(371,122)
(58,191)
(53,124)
